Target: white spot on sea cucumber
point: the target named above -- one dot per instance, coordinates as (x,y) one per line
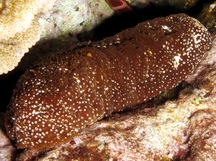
(176,61)
(106,88)
(166,28)
(196,39)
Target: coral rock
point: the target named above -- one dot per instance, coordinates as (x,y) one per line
(19,30)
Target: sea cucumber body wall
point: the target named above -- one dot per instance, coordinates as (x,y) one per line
(57,99)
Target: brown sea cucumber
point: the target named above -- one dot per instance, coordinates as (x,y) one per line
(54,101)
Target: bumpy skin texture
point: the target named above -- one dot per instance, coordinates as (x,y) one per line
(57,99)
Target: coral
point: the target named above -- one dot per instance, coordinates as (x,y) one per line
(12,50)
(19,30)
(17,16)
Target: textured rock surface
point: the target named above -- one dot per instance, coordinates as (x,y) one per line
(68,18)
(7,150)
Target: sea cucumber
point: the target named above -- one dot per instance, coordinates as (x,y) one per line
(55,100)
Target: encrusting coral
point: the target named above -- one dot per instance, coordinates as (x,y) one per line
(17,16)
(19,29)
(13,49)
